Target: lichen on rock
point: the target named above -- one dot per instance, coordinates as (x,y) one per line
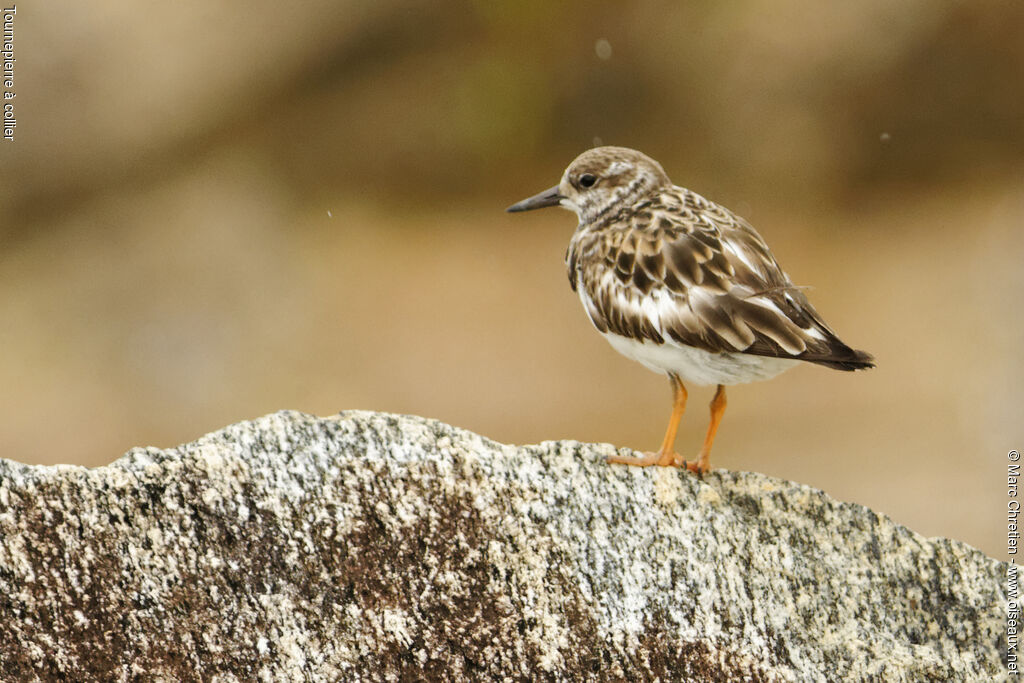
(369,546)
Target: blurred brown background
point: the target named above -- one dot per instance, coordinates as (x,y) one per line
(212,211)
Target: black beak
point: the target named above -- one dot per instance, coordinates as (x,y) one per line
(538,201)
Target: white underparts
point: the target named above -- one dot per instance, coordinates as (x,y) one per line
(696,366)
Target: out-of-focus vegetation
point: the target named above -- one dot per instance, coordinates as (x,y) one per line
(427,102)
(212,211)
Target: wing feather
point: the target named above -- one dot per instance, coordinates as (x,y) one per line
(687,270)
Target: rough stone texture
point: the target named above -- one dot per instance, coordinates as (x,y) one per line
(379,547)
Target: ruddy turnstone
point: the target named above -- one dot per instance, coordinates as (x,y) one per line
(683,286)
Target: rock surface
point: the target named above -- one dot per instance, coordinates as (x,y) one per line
(381,547)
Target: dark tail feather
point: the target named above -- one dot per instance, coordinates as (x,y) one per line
(845,358)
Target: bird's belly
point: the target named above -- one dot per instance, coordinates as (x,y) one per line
(697,366)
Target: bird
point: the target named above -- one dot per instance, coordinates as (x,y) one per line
(683,286)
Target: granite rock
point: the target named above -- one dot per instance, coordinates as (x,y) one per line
(374,547)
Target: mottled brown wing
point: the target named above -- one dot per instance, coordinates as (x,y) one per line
(681,269)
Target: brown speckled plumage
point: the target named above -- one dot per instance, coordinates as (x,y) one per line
(689,248)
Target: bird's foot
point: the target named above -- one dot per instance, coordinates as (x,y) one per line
(660,459)
(702,465)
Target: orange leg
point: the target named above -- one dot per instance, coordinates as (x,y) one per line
(666,457)
(718,403)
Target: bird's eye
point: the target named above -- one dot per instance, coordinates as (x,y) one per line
(587,180)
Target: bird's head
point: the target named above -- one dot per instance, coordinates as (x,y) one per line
(600,179)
